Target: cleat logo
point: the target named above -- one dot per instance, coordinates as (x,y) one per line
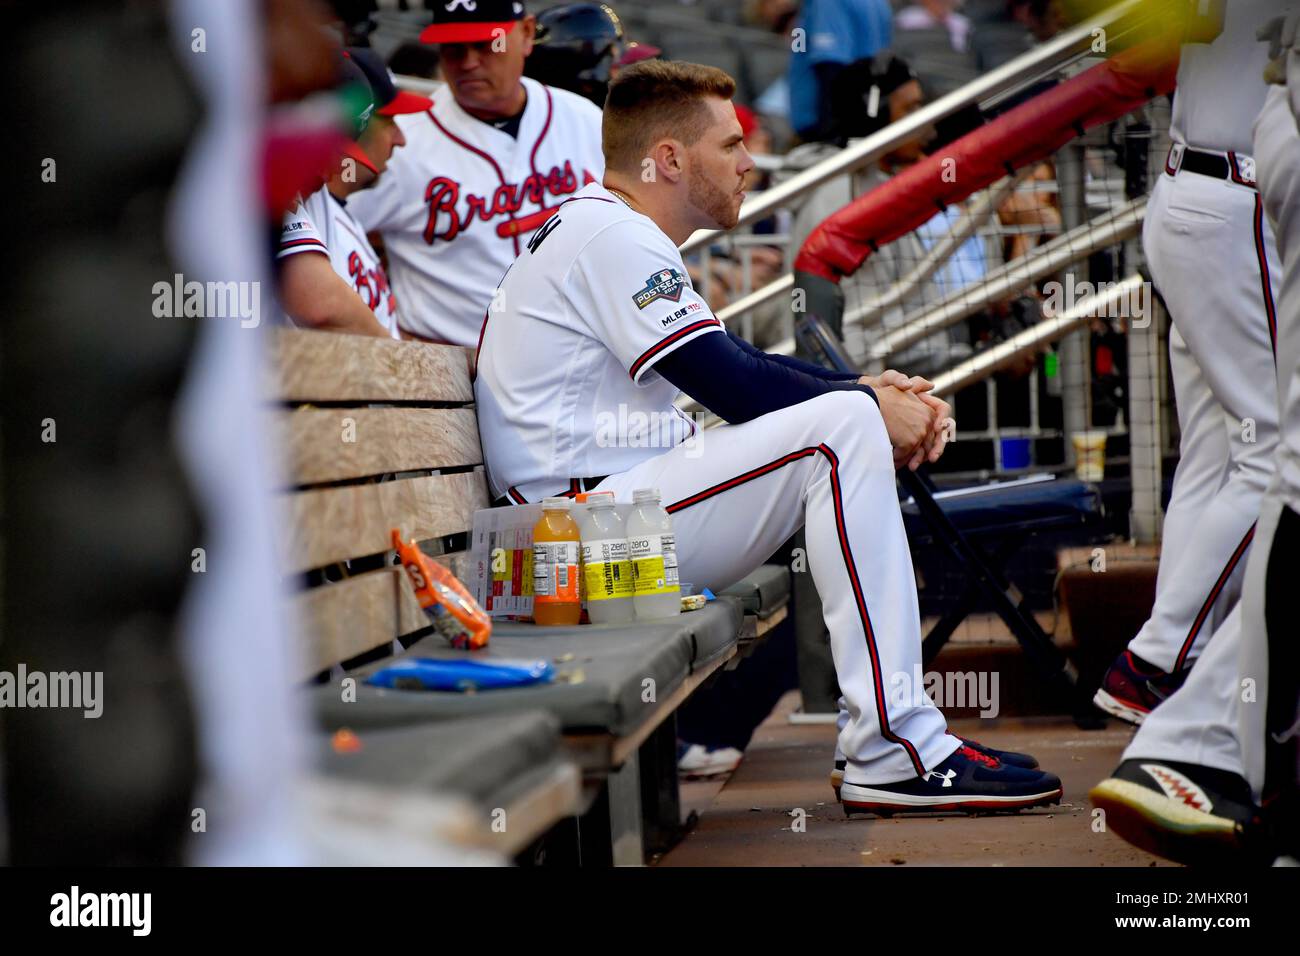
(1178,787)
(947,776)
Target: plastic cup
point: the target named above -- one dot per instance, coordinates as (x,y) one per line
(1089,455)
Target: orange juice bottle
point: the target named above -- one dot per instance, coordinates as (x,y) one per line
(556,600)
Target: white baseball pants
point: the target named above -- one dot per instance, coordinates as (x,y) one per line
(1213,257)
(825,464)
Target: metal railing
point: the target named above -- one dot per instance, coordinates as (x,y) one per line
(987,90)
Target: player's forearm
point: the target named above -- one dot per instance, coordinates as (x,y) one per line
(738,384)
(320,299)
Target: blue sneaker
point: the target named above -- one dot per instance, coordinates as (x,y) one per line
(967,781)
(1010,757)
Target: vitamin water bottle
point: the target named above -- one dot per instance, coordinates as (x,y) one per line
(653,549)
(607,572)
(555,565)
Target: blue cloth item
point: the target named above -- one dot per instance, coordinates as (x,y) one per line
(835,32)
(738,382)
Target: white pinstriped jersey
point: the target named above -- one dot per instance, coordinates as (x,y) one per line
(566,386)
(321,223)
(458,203)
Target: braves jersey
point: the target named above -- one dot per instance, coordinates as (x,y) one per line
(323,224)
(458,203)
(1221,84)
(566,386)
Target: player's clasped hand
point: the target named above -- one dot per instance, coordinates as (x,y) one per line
(918,423)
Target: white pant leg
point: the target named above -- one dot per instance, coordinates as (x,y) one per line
(1201,241)
(1198,723)
(825,464)
(1202,470)
(1277,159)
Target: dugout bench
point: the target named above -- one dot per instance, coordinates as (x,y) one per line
(382,434)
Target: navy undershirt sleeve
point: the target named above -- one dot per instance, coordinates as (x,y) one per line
(741,383)
(789,361)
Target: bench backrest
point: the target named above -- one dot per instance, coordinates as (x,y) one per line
(377,434)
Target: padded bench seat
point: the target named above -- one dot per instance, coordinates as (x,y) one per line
(764,592)
(613,661)
(512,762)
(1031,506)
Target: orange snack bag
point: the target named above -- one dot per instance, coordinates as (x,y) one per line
(452,609)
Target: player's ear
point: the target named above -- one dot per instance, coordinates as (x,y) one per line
(669,159)
(527,32)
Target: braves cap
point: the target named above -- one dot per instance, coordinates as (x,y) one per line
(471,21)
(389,100)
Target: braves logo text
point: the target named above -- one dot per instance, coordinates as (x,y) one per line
(443,197)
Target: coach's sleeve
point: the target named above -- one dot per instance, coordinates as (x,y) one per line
(299,234)
(630,286)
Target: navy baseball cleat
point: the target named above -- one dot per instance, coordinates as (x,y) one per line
(1132,688)
(1181,811)
(1027,761)
(967,781)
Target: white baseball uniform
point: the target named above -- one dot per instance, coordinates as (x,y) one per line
(1213,257)
(322,224)
(1205,721)
(567,388)
(459,202)
(1266,640)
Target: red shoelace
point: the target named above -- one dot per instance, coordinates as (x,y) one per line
(970,753)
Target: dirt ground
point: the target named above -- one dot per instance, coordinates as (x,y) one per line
(750,820)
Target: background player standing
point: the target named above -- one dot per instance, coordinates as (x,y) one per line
(1213,257)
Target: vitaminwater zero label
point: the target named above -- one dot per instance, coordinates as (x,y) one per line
(654,563)
(607,570)
(555,572)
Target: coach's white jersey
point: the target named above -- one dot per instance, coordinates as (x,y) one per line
(322,223)
(459,201)
(1221,84)
(565,385)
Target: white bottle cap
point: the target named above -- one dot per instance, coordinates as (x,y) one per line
(645,495)
(556,504)
(600,499)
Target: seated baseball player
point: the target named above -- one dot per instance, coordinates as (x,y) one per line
(598,331)
(330,276)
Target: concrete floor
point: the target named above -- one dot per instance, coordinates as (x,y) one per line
(747,819)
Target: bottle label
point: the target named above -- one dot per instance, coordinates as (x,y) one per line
(555,572)
(654,564)
(606,568)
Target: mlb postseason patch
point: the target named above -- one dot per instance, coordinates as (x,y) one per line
(662,285)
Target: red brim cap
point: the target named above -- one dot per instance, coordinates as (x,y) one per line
(355,151)
(405,102)
(465,32)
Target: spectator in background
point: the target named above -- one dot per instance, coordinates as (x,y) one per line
(936,15)
(1024,24)
(935,39)
(835,34)
(775,16)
